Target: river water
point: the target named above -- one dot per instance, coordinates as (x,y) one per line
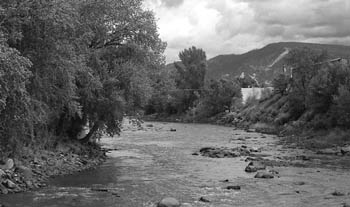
(146,165)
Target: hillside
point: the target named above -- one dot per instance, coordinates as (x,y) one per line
(265,62)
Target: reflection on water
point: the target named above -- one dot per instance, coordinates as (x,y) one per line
(153,162)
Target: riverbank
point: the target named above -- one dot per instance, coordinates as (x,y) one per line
(33,167)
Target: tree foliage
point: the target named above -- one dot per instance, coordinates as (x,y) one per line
(191,75)
(218,96)
(77,62)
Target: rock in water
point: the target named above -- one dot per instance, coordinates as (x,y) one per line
(250,169)
(169,202)
(338,193)
(255,166)
(264,175)
(346,205)
(345,150)
(233,187)
(203,199)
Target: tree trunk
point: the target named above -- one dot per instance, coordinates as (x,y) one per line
(92,131)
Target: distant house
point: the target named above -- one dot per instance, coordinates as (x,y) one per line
(254,92)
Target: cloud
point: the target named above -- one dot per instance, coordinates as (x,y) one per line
(237,26)
(172,3)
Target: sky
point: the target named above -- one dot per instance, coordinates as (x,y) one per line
(237,26)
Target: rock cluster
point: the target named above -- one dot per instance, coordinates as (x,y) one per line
(225,152)
(340,151)
(32,171)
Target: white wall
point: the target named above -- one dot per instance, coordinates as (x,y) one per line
(253,92)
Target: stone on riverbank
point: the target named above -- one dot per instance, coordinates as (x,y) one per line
(3,189)
(9,184)
(25,171)
(8,165)
(169,202)
(2,173)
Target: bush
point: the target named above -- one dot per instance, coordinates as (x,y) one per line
(341,108)
(280,84)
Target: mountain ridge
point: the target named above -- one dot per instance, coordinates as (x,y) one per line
(266,61)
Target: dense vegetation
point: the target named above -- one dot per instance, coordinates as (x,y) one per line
(185,92)
(314,97)
(65,64)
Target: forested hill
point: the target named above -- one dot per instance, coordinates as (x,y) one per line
(265,62)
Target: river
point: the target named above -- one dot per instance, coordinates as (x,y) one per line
(148,164)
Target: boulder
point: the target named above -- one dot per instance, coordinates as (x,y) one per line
(345,150)
(254,166)
(3,189)
(264,175)
(9,184)
(29,184)
(2,173)
(8,165)
(169,202)
(25,171)
(250,169)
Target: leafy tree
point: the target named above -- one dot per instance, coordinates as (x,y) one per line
(306,64)
(219,95)
(15,101)
(191,75)
(88,59)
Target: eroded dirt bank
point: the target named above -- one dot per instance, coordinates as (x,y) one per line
(162,160)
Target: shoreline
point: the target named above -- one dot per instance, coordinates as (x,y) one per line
(33,169)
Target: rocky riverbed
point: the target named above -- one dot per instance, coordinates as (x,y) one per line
(199,165)
(33,169)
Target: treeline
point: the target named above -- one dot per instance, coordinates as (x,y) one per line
(68,63)
(186,93)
